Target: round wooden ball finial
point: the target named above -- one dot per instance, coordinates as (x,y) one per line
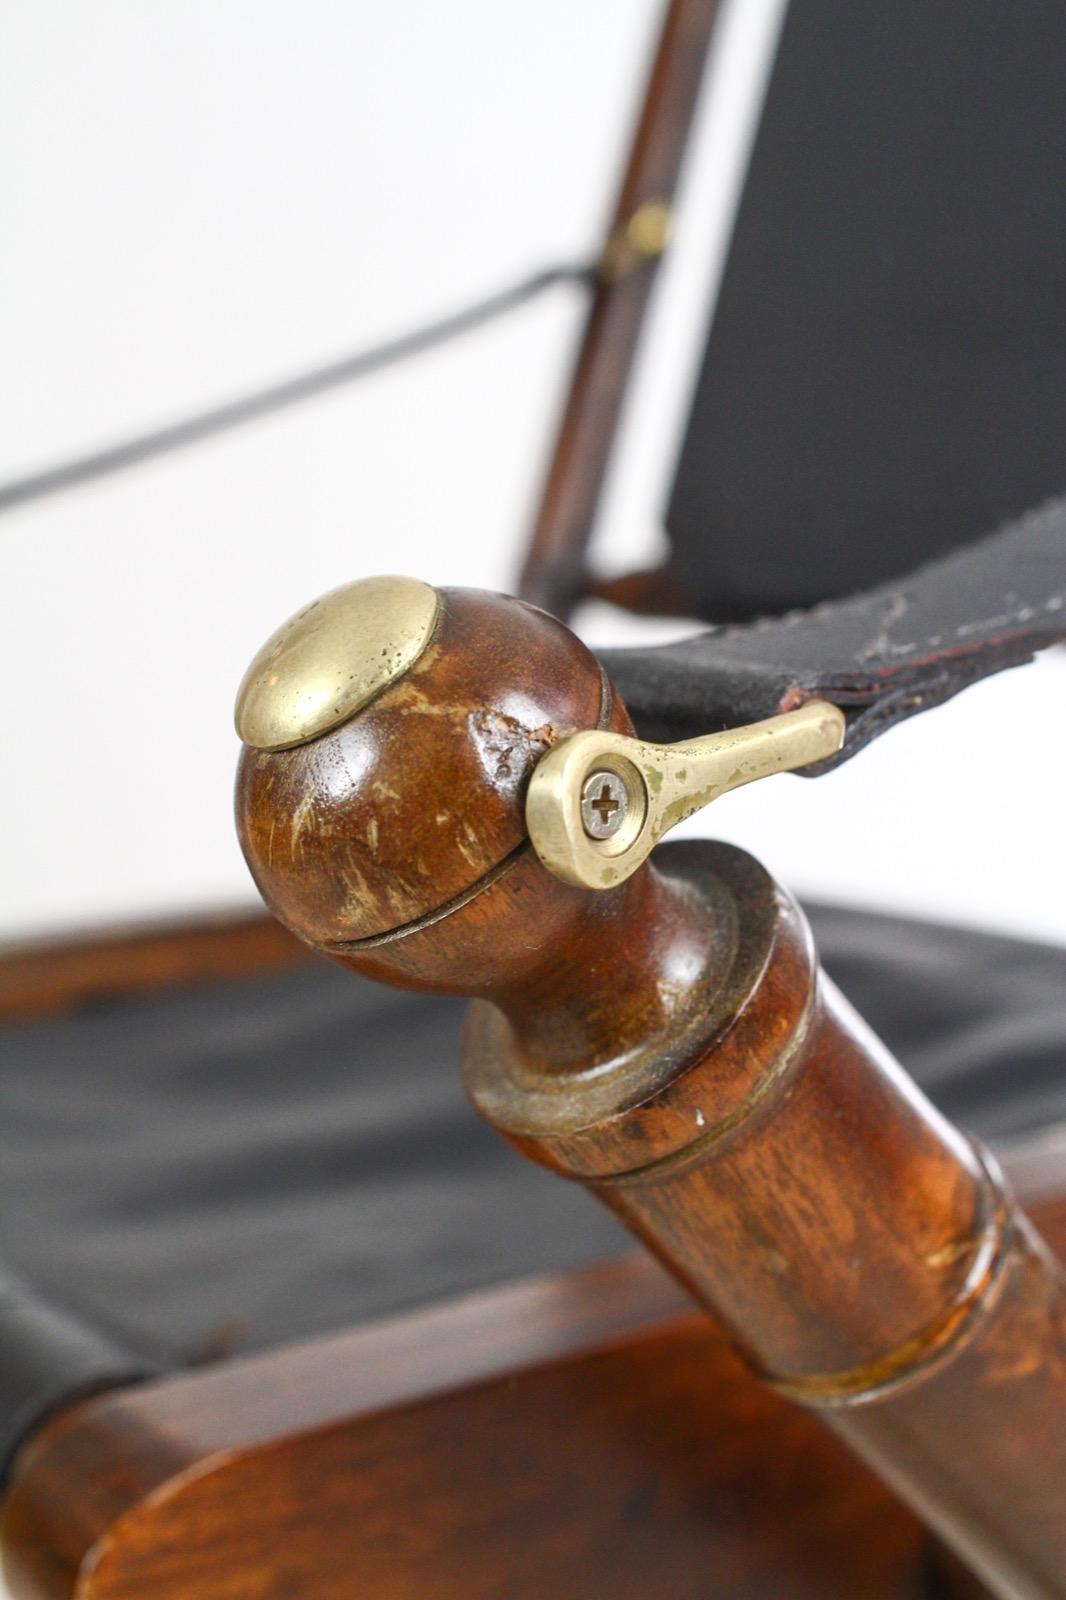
(390,732)
(394,837)
(665,1038)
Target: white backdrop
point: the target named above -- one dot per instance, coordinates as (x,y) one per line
(200,198)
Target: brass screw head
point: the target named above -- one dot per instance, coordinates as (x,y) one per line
(604,804)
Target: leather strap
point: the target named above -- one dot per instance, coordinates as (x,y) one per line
(881,656)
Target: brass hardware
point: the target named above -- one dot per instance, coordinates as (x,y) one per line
(643,237)
(662,785)
(331,658)
(604,805)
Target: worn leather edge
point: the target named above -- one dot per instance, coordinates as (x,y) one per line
(882,656)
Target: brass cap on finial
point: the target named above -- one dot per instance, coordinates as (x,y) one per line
(390,732)
(332,658)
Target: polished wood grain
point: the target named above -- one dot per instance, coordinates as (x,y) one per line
(588,1436)
(859,1251)
(346,848)
(553,575)
(580,1436)
(783,1167)
(671,1043)
(583,1434)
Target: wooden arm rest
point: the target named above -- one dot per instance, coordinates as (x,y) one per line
(581,1435)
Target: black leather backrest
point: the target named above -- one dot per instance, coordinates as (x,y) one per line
(885,376)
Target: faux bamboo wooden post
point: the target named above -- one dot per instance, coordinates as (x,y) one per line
(671,1044)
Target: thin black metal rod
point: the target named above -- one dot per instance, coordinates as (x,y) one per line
(280,396)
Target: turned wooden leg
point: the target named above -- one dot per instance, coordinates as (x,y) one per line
(669,1042)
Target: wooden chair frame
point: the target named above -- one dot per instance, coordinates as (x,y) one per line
(581,1434)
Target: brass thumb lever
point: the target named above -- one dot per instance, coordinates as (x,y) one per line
(599,802)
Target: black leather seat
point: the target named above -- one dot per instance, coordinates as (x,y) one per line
(232,1164)
(239,1163)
